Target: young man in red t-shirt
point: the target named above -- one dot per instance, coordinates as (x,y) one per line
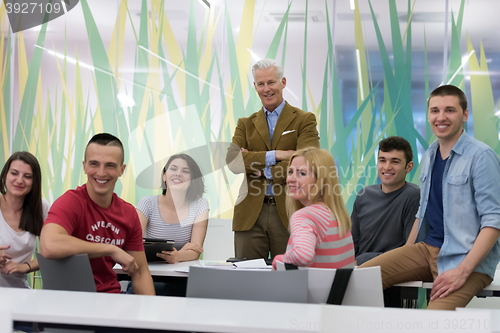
(92,219)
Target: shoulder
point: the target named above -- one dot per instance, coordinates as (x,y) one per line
(71,198)
(146,204)
(202,202)
(244,120)
(313,212)
(368,192)
(473,146)
(411,188)
(299,112)
(147,200)
(122,203)
(476,151)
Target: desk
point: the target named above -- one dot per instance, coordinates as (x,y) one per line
(158,313)
(210,315)
(382,320)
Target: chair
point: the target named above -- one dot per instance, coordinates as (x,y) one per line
(71,273)
(5,319)
(290,286)
(364,287)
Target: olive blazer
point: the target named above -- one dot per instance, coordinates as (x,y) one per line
(294,130)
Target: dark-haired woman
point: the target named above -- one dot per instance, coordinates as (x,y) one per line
(180,213)
(22,211)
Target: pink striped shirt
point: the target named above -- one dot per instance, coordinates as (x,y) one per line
(315,241)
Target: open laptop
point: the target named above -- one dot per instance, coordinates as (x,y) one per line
(71,273)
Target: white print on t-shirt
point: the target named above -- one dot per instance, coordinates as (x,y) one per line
(101,239)
(106,240)
(103,224)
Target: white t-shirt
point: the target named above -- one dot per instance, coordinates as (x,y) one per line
(21,249)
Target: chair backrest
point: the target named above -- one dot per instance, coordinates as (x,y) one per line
(5,319)
(289,286)
(364,287)
(71,273)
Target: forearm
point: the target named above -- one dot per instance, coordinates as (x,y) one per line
(413,234)
(33,265)
(483,244)
(142,282)
(55,246)
(299,256)
(188,255)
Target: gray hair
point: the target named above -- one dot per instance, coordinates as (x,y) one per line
(267,63)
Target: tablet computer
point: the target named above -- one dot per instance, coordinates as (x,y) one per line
(152,246)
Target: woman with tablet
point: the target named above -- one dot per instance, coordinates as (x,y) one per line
(320,227)
(180,213)
(22,211)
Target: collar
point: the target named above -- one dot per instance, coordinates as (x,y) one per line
(277,110)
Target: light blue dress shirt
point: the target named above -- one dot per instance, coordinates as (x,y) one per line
(471,201)
(272,119)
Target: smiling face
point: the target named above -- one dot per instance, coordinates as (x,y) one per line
(300,181)
(19,179)
(177,176)
(447,118)
(269,87)
(102,165)
(392,169)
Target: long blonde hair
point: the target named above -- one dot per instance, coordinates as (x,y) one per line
(327,188)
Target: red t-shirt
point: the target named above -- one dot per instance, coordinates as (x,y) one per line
(117,224)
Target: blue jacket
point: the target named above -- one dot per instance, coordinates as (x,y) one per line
(471,201)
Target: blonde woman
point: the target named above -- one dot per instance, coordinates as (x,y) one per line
(320,227)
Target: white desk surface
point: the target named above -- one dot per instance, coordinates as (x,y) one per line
(414,284)
(163,269)
(178,269)
(212,315)
(154,312)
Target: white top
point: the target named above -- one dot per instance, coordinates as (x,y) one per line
(178,232)
(21,249)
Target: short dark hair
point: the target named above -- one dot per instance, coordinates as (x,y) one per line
(449,90)
(197,185)
(106,139)
(397,143)
(32,214)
